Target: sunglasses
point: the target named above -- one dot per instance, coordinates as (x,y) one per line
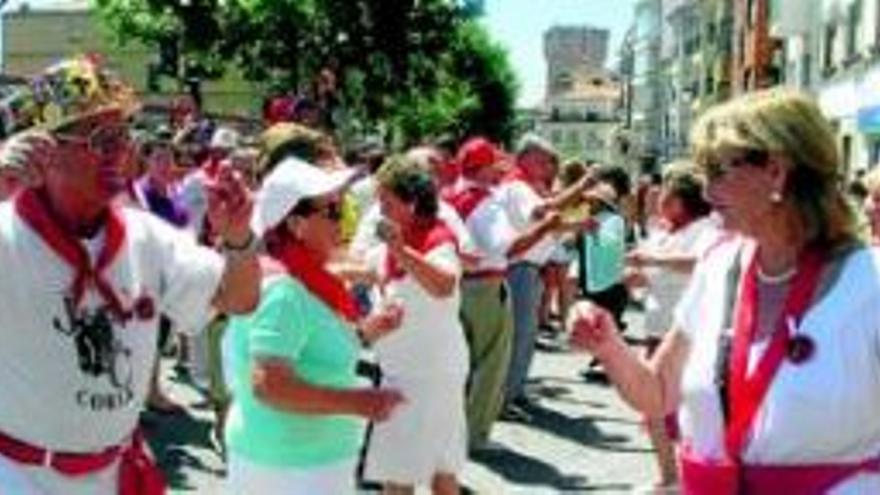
(719,168)
(330,211)
(104,140)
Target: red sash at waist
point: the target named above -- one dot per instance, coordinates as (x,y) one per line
(707,477)
(138,474)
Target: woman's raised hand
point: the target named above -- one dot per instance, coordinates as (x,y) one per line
(592,329)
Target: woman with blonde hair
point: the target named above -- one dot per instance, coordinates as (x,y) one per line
(871,206)
(772,361)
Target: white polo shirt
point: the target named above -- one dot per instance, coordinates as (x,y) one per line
(520,201)
(75,381)
(492,232)
(824,410)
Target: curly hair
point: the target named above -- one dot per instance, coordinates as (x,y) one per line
(411,183)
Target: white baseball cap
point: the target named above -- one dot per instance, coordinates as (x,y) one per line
(291,181)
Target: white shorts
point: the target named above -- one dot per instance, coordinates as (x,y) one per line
(16,479)
(245,478)
(424,436)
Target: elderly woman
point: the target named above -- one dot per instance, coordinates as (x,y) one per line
(772,359)
(425,443)
(872,204)
(663,265)
(295,423)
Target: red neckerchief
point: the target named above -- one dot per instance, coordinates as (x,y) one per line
(300,263)
(423,239)
(31,207)
(748,392)
(468,199)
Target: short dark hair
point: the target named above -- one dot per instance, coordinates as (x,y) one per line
(412,184)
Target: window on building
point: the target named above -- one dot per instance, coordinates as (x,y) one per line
(806,69)
(853,19)
(828,48)
(752,10)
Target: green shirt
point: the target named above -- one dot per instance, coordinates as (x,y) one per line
(604,250)
(292,324)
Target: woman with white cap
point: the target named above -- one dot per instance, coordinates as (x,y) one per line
(296,421)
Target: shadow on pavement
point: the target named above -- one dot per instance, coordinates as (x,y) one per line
(173,437)
(525,470)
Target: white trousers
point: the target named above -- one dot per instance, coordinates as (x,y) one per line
(246,478)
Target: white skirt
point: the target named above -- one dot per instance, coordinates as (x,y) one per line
(245,478)
(426,435)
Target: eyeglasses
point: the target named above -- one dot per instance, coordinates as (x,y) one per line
(104,140)
(330,211)
(719,168)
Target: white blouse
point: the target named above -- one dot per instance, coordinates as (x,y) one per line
(824,410)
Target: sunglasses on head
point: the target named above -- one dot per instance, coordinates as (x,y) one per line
(105,140)
(719,167)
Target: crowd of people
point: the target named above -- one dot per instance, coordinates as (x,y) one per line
(285,262)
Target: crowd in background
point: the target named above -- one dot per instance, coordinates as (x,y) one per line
(438,265)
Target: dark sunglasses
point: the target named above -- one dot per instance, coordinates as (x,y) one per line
(330,211)
(718,168)
(104,140)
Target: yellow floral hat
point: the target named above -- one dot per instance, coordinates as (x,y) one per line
(64,93)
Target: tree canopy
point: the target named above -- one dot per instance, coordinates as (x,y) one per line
(410,68)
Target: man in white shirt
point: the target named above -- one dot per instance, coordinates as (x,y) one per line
(84,285)
(534,217)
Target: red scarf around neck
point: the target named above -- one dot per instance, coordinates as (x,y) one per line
(468,199)
(748,391)
(300,263)
(423,238)
(32,207)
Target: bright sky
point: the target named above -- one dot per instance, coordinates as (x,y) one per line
(520,25)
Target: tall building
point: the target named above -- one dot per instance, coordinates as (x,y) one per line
(580,112)
(644,106)
(571,49)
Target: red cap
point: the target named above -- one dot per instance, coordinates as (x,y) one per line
(478,152)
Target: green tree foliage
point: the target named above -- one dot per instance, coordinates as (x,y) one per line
(412,68)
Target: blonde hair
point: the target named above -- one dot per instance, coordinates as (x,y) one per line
(788,123)
(871,180)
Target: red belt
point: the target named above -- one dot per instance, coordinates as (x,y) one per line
(703,477)
(138,474)
(485,275)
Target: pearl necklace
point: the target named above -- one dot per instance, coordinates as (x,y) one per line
(776,279)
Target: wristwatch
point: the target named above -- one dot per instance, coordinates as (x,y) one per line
(253,246)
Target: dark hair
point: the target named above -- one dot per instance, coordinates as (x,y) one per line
(616,176)
(411,184)
(683,181)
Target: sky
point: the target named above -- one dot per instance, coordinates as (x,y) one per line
(519,25)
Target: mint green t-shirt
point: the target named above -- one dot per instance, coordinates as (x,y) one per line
(604,250)
(292,324)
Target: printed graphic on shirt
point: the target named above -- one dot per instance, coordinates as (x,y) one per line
(100,353)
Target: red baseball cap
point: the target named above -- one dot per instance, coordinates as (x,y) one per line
(479,152)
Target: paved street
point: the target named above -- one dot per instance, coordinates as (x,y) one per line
(581,439)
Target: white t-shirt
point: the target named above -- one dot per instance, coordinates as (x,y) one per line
(492,231)
(430,340)
(822,411)
(520,201)
(365,239)
(76,382)
(665,286)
